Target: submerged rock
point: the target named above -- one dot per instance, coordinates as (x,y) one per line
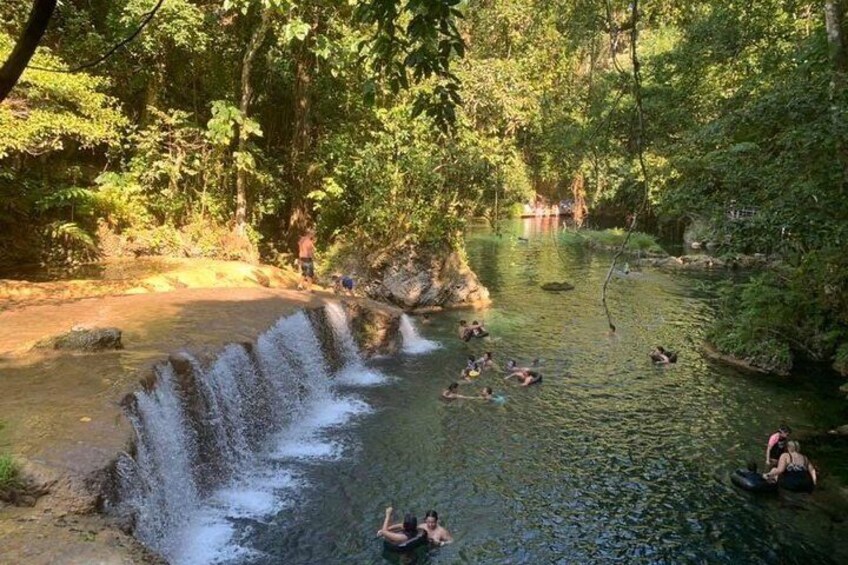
(557,286)
(85,339)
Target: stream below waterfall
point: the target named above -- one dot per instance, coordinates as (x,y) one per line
(609,460)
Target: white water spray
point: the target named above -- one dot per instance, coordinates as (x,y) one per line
(413,343)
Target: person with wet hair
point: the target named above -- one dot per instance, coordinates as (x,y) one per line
(398,533)
(776,445)
(437,534)
(794,471)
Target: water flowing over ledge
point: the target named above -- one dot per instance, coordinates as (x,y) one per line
(216,446)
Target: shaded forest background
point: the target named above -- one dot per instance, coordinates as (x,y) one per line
(228,126)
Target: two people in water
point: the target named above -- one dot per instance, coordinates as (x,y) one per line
(476,329)
(525,376)
(475,366)
(452,393)
(786,467)
(794,471)
(410,529)
(790,466)
(661,356)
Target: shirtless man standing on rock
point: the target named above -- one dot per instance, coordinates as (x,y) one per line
(306,256)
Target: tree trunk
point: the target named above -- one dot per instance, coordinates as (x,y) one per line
(39,17)
(301,172)
(833,14)
(244,106)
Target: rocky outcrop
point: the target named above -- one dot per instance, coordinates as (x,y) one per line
(744,364)
(709,262)
(376,329)
(85,339)
(413,278)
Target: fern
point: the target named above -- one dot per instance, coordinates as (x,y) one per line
(71,234)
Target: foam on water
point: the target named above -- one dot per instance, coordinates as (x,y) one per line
(413,343)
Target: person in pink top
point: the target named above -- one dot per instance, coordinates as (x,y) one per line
(777,445)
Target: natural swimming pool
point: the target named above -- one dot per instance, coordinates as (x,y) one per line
(610,460)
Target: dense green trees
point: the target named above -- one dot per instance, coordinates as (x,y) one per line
(256,117)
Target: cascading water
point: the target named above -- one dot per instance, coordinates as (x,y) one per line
(413,343)
(219,446)
(354,371)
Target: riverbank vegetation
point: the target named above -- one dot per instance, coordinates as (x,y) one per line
(613,239)
(9,473)
(228,126)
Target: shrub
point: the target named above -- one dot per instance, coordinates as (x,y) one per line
(9,472)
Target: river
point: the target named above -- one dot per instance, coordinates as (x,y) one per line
(611,459)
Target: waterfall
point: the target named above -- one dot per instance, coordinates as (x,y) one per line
(413,343)
(216,444)
(354,372)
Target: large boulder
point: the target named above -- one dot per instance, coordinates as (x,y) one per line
(413,278)
(85,339)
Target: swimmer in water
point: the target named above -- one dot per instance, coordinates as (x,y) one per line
(662,357)
(398,533)
(465,332)
(525,377)
(451,393)
(477,329)
(436,534)
(486,361)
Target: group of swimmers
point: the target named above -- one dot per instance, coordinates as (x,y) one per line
(409,530)
(475,367)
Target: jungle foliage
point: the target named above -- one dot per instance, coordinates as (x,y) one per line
(232,124)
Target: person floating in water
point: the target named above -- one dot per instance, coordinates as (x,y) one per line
(487,395)
(525,376)
(464,331)
(436,534)
(451,393)
(662,357)
(476,329)
(471,370)
(398,533)
(486,361)
(776,445)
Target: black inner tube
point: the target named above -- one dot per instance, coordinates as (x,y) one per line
(409,545)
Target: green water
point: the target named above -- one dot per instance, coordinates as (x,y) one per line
(609,460)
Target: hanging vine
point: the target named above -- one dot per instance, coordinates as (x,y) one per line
(636,77)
